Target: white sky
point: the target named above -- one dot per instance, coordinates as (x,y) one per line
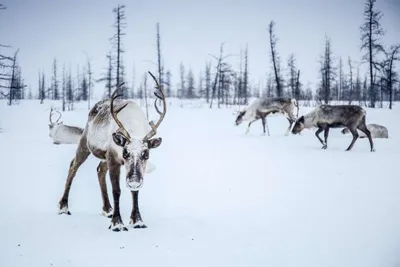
(190,31)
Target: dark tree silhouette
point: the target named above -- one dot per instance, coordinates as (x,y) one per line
(371,31)
(390,76)
(119,25)
(275,59)
(160,67)
(351,87)
(327,73)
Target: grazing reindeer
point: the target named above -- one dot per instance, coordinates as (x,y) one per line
(118,133)
(377,131)
(326,116)
(61,133)
(262,107)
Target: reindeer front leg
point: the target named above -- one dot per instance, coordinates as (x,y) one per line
(136,218)
(320,129)
(82,153)
(326,134)
(248,127)
(101,173)
(116,221)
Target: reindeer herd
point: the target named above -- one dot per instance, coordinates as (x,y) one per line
(324,117)
(118,133)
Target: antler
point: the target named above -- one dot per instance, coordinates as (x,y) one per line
(51,113)
(114,114)
(159,96)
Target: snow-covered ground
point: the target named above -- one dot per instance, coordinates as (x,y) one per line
(217,197)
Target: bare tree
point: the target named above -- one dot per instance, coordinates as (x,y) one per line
(145,94)
(160,67)
(292,81)
(182,87)
(54,86)
(64,88)
(168,84)
(108,77)
(245,86)
(120,24)
(390,76)
(190,90)
(90,82)
(275,59)
(327,73)
(208,81)
(220,62)
(341,75)
(351,91)
(371,31)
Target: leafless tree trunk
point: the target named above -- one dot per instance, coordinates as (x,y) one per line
(275,59)
(351,91)
(371,30)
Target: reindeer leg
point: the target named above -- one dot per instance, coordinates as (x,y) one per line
(364,129)
(355,136)
(101,173)
(82,154)
(264,121)
(320,129)
(290,126)
(116,221)
(248,127)
(326,134)
(136,218)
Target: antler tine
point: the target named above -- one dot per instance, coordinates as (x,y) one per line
(51,112)
(114,115)
(59,114)
(161,97)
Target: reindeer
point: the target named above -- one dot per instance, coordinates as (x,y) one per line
(61,133)
(326,116)
(377,131)
(262,107)
(118,133)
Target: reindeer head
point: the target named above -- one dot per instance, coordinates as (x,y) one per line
(299,126)
(239,118)
(53,125)
(136,152)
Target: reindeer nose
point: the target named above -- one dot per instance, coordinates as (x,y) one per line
(134,185)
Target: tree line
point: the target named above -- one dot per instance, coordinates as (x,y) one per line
(221,83)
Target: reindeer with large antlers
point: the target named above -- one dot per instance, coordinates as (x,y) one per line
(62,133)
(118,133)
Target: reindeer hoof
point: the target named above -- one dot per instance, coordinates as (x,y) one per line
(138,224)
(118,227)
(373,150)
(324,147)
(63,210)
(108,213)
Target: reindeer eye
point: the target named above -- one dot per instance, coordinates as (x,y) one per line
(145,154)
(125,154)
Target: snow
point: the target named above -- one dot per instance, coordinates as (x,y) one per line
(217,197)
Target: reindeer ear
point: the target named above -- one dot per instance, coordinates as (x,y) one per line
(119,139)
(154,143)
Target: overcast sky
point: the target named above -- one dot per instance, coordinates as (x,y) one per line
(190,30)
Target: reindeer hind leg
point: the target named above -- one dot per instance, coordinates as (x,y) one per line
(355,136)
(363,127)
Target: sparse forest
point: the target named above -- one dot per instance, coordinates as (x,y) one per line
(219,82)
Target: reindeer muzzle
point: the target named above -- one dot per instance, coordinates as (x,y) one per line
(134,184)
